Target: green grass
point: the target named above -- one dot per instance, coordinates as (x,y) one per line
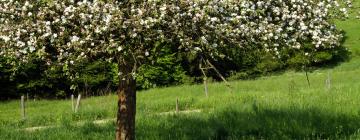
(274,107)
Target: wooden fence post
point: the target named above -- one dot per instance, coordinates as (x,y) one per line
(78,103)
(204,79)
(23,107)
(206,87)
(328,82)
(72,103)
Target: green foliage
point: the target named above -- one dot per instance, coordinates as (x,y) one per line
(298,60)
(93,77)
(30,78)
(37,79)
(7,89)
(268,64)
(256,63)
(164,69)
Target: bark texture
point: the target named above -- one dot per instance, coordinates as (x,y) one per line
(125,129)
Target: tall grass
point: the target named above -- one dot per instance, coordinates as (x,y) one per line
(273,107)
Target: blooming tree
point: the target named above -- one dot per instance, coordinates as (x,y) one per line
(66,32)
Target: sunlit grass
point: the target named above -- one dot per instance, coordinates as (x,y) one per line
(282,106)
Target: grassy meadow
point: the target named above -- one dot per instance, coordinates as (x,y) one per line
(280,106)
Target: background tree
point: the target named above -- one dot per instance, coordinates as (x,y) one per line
(66,33)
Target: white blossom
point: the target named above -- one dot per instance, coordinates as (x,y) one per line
(74,39)
(205,26)
(5,38)
(119,48)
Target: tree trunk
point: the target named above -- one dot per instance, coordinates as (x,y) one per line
(125,129)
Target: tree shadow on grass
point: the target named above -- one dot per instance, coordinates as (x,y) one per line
(292,123)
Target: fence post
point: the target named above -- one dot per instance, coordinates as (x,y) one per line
(78,103)
(206,87)
(23,107)
(328,82)
(72,103)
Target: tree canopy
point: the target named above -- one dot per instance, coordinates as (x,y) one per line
(66,32)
